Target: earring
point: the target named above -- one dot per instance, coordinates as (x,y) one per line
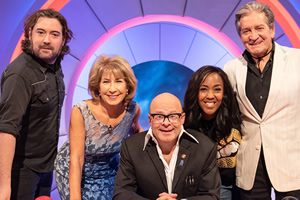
(126,92)
(99,95)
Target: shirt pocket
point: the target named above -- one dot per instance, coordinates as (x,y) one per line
(45,103)
(47,97)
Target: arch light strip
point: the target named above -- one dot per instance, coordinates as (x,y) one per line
(285,20)
(282,16)
(197,24)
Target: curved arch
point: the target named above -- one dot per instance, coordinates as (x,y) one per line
(282,16)
(197,24)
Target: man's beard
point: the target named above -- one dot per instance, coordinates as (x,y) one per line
(49,57)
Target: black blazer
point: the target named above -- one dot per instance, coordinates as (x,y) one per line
(141,173)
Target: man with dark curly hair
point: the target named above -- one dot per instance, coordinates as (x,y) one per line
(32,94)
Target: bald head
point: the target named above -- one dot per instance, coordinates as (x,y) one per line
(165,101)
(166,131)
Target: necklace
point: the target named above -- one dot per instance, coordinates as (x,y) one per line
(259,59)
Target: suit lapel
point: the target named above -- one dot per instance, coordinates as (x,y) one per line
(152,152)
(241,77)
(182,159)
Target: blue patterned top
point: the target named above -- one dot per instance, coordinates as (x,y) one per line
(102,147)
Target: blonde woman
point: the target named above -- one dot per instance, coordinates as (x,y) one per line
(86,165)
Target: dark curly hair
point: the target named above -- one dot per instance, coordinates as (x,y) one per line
(32,19)
(228,113)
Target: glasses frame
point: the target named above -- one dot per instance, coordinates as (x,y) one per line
(165,116)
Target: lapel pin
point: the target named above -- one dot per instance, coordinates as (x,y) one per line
(181,163)
(183,156)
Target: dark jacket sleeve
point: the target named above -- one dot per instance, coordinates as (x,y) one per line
(125,183)
(209,187)
(210,181)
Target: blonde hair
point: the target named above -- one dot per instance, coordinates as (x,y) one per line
(119,67)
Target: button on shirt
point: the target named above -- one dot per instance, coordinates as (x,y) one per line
(258,83)
(169,168)
(32,95)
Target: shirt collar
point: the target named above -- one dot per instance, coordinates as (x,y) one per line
(44,66)
(150,135)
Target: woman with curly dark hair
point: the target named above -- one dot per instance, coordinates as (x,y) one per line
(211,108)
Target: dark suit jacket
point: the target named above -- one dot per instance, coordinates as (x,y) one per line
(141,173)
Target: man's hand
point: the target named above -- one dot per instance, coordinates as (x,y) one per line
(166,196)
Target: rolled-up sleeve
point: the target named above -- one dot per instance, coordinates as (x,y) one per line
(15,97)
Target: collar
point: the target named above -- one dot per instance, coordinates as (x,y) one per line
(44,66)
(249,58)
(150,135)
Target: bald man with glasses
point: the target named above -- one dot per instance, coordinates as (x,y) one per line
(167,162)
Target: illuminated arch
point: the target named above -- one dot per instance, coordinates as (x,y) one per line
(282,16)
(192,22)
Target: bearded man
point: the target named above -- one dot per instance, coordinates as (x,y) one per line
(32,94)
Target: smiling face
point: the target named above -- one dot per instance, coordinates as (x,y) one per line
(255,34)
(210,95)
(112,89)
(47,39)
(166,132)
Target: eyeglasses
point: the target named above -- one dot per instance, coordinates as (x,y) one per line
(160,118)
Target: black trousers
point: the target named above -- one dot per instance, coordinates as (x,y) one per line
(27,184)
(262,186)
